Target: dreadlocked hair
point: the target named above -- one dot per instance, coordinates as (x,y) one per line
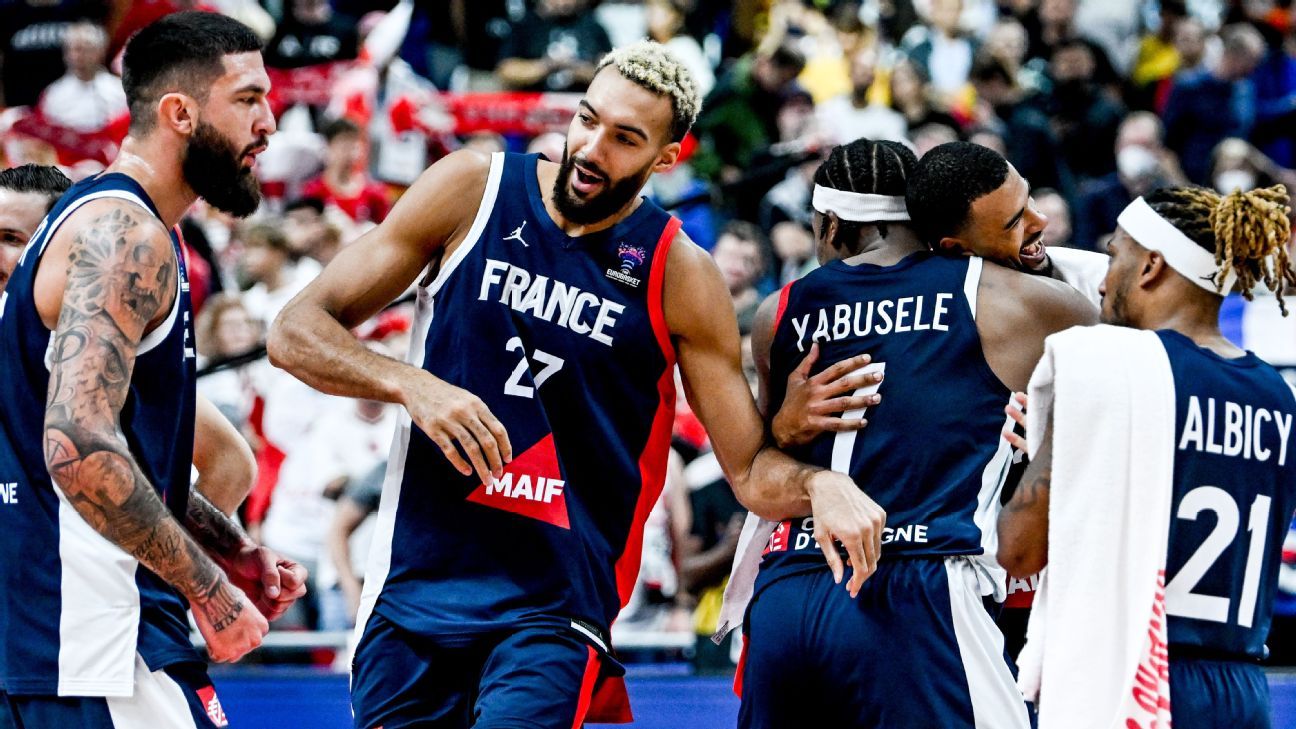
(880,167)
(1247,231)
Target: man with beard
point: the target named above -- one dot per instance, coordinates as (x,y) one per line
(106,545)
(539,398)
(1176,253)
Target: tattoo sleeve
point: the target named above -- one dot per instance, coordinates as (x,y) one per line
(121,276)
(1024,520)
(220,535)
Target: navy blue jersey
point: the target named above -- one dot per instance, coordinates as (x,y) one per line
(932,455)
(75,608)
(565,341)
(1234,490)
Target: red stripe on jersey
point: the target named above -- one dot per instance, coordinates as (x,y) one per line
(652,462)
(738,672)
(586,688)
(782,307)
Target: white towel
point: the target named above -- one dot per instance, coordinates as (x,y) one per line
(1084,270)
(1095,655)
(742,577)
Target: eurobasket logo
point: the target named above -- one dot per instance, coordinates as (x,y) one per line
(631,257)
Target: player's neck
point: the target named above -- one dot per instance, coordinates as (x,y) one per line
(157,170)
(899,243)
(1200,324)
(546,173)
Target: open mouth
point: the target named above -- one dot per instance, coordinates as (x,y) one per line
(1032,254)
(585,182)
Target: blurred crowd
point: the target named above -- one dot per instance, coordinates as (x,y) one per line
(1094,102)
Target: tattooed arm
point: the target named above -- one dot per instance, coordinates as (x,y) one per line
(272,582)
(121,278)
(1024,521)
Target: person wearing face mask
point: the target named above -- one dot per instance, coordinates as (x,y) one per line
(1142,163)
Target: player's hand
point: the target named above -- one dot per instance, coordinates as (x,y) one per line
(1018,414)
(455,418)
(272,582)
(814,405)
(228,623)
(843,513)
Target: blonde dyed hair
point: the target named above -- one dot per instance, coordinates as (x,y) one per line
(650,65)
(1248,232)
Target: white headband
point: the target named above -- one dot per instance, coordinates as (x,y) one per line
(1156,233)
(859,207)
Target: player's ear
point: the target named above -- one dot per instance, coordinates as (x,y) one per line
(953,245)
(175,110)
(1151,269)
(831,224)
(667,157)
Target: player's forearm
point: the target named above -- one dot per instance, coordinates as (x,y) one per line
(775,487)
(104,484)
(225,463)
(314,347)
(1023,523)
(217,533)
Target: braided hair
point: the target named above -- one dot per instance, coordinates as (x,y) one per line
(881,167)
(1247,231)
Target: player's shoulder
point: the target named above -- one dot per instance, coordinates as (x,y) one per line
(114,220)
(1034,296)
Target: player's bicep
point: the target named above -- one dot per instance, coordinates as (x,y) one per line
(433,214)
(701,318)
(762,338)
(121,277)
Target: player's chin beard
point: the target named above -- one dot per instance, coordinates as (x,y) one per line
(213,168)
(1113,308)
(603,205)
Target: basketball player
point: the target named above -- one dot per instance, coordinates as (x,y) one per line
(955,336)
(104,543)
(26,194)
(554,304)
(1172,280)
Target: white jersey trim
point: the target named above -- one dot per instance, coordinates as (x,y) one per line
(972,283)
(380,551)
(99,610)
(997,703)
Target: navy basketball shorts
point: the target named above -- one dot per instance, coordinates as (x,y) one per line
(915,649)
(180,696)
(532,678)
(1206,694)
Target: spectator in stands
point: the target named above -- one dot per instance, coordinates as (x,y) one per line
(87,97)
(344,183)
(1052,205)
(312,34)
(1057,24)
(666,26)
(31,44)
(846,118)
(1207,106)
(911,96)
(342,445)
(1190,43)
(268,264)
(1142,164)
(1082,116)
(1238,165)
(706,554)
(1007,43)
(1032,146)
(942,49)
(739,120)
(553,48)
(26,194)
(1157,57)
(794,249)
(1275,99)
(358,501)
(740,253)
(224,330)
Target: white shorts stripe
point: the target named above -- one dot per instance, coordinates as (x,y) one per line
(158,702)
(997,703)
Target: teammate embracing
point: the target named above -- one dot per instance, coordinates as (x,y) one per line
(955,336)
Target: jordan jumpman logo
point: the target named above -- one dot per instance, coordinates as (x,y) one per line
(517,235)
